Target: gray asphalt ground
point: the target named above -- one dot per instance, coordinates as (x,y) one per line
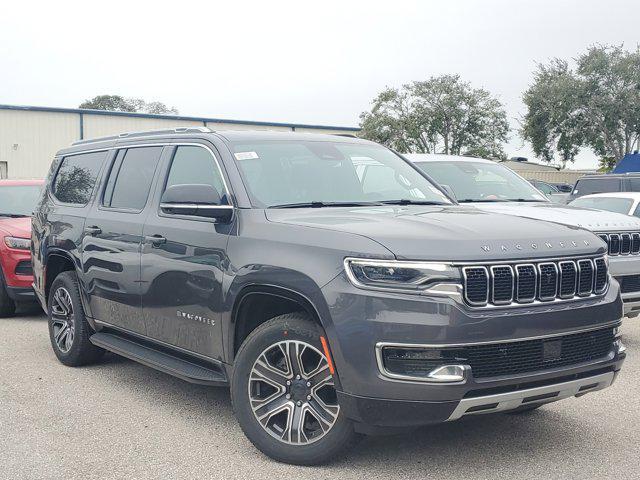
(119,419)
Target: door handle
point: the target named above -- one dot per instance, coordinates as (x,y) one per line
(93,230)
(155,239)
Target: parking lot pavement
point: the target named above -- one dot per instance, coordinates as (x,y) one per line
(119,419)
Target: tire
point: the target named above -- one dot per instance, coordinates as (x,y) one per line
(69,331)
(318,442)
(7,305)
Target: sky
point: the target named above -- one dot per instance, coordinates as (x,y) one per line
(294,61)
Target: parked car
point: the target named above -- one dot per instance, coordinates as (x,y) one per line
(589,184)
(333,299)
(17,200)
(621,202)
(493,187)
(550,191)
(563,187)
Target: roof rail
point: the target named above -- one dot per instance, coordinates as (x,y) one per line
(148,133)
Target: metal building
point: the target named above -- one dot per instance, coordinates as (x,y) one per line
(30,136)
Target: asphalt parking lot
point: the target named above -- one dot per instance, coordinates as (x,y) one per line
(119,419)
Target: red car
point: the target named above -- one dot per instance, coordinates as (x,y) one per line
(17,200)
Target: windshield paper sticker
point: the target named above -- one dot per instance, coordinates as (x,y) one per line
(246,155)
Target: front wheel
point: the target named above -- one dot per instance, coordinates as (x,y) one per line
(284,396)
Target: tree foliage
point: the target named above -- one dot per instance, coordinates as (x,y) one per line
(597,106)
(439,115)
(121,104)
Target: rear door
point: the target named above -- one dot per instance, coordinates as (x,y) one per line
(113,238)
(183,259)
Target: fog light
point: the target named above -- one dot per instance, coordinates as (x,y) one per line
(447,373)
(422,364)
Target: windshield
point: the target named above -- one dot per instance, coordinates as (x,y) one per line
(611,204)
(19,200)
(481,182)
(312,173)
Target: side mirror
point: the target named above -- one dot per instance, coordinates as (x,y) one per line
(198,200)
(449,190)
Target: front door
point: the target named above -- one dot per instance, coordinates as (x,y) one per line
(113,238)
(183,260)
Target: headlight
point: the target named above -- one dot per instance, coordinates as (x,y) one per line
(399,275)
(18,243)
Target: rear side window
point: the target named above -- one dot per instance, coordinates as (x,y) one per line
(195,165)
(597,185)
(130,178)
(76,177)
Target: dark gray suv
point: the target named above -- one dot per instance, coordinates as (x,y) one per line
(325,279)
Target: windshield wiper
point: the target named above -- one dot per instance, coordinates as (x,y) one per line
(488,200)
(406,201)
(326,204)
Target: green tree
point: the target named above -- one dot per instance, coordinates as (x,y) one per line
(121,104)
(439,115)
(597,106)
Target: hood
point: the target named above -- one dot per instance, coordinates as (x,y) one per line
(594,220)
(16,227)
(451,233)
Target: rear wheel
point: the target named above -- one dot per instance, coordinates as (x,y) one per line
(68,328)
(284,396)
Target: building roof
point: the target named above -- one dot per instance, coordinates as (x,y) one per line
(29,108)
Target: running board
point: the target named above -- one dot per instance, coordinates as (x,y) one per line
(160,360)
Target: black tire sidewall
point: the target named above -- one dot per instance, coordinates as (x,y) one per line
(82,351)
(7,305)
(285,327)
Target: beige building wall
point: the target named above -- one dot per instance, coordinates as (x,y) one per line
(30,136)
(557,176)
(28,140)
(106,125)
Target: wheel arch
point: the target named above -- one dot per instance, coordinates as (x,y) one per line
(255,304)
(57,261)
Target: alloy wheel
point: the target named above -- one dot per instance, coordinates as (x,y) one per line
(292,392)
(62,319)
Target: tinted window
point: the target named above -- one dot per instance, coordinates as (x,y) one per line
(611,204)
(195,165)
(130,178)
(292,172)
(596,185)
(545,187)
(18,199)
(77,176)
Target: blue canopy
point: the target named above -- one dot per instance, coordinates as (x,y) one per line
(629,163)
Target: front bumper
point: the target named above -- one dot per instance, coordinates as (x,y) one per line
(360,320)
(21,294)
(621,266)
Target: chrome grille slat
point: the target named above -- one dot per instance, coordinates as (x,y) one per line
(625,244)
(585,277)
(568,279)
(622,243)
(540,281)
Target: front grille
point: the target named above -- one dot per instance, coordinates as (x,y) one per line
(24,268)
(624,243)
(543,281)
(630,283)
(477,285)
(585,277)
(568,279)
(532,355)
